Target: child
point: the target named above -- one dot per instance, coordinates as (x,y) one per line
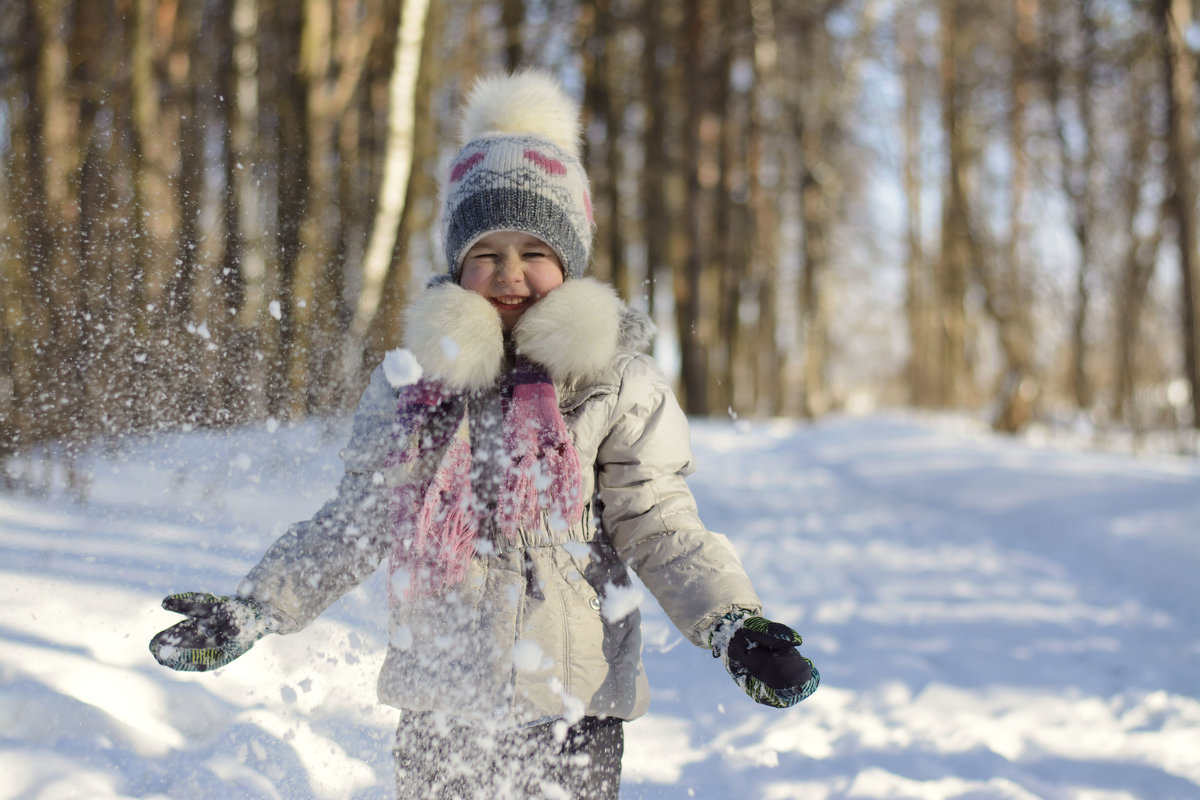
(511,488)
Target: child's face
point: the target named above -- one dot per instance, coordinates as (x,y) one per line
(513,270)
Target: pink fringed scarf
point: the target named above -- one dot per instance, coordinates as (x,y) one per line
(518,475)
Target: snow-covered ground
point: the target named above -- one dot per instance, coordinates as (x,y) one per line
(993,620)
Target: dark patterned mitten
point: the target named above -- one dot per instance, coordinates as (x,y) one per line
(762,658)
(217,630)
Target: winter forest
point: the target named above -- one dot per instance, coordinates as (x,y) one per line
(212,212)
(879,239)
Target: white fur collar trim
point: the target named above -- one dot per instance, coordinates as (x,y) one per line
(456,335)
(574,331)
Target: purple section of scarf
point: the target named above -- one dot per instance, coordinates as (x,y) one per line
(434,530)
(437,516)
(543,473)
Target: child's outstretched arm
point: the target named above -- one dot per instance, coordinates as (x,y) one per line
(318,560)
(695,574)
(304,571)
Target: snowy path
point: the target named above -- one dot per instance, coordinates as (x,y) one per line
(992,620)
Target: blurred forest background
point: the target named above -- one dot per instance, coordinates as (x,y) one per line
(212,211)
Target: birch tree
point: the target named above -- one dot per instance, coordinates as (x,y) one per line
(397,165)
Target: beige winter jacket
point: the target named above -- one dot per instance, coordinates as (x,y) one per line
(548,626)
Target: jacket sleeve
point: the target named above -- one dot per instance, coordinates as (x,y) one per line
(317,561)
(650,514)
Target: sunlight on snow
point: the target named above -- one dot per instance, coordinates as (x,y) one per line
(993,621)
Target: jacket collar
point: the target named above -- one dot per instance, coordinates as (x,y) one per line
(574,332)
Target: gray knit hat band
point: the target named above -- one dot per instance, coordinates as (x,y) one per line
(505,208)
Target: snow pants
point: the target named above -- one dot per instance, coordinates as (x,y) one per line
(442,758)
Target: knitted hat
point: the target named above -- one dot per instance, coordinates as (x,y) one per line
(518,169)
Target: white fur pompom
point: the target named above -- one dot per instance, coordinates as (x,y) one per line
(456,336)
(530,101)
(573,331)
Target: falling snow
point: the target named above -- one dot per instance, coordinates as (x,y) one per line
(401,368)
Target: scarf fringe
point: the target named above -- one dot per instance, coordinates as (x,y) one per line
(437,513)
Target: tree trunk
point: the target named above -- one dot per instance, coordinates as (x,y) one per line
(919,370)
(1078,180)
(146,191)
(81,331)
(313,381)
(955,255)
(1137,266)
(32,273)
(813,118)
(231,349)
(512,19)
(386,328)
(1007,295)
(727,264)
(155,124)
(614,112)
(1179,71)
(398,163)
(764,218)
(596,23)
(655,220)
(284,92)
(189,184)
(689,280)
(815,216)
(256,338)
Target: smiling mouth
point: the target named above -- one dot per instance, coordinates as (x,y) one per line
(510,303)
